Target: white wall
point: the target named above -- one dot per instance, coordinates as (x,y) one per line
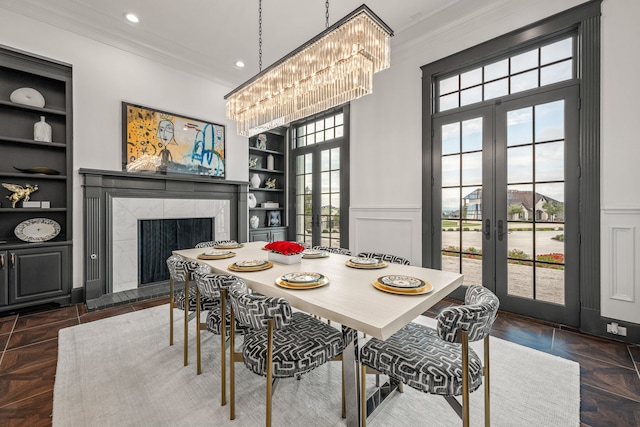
(103,77)
(620,200)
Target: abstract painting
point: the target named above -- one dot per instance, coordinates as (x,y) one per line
(157,141)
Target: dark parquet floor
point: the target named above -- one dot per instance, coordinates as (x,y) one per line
(609,370)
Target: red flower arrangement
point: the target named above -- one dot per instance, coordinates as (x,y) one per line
(285,248)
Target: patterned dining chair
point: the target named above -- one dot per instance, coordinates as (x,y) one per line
(213,243)
(181,271)
(440,361)
(278,343)
(333,250)
(385,257)
(215,287)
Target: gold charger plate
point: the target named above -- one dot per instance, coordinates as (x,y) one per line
(428,287)
(229,246)
(381,264)
(210,256)
(323,281)
(265,266)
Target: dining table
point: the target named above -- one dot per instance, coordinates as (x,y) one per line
(351,296)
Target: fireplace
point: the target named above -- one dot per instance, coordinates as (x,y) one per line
(115,201)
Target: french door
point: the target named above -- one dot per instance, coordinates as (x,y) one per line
(507,179)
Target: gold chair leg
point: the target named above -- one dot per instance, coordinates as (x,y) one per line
(344,402)
(465,378)
(223,336)
(487,392)
(186,320)
(232,369)
(198,360)
(270,326)
(171,305)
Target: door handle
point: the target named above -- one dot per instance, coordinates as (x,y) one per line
(500,229)
(487,228)
(1,261)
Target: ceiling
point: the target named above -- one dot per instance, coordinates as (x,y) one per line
(207,37)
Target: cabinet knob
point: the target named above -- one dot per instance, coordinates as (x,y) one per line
(93,256)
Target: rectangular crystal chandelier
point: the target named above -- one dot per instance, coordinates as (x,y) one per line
(331,69)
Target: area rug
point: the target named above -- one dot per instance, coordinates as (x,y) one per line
(121,371)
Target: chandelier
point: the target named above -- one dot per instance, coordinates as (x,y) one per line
(333,68)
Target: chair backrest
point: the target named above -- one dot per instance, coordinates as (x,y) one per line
(254,310)
(179,268)
(476,316)
(212,243)
(210,284)
(341,251)
(385,257)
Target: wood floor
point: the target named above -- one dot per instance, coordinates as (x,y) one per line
(609,370)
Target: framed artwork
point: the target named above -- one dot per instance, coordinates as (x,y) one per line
(162,142)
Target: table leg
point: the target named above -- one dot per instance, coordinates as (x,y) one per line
(351,377)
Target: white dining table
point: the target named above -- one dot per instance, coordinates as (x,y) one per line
(349,298)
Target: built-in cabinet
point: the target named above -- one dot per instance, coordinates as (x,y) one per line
(39,271)
(267,206)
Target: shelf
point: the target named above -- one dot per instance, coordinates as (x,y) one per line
(274,190)
(262,170)
(266,209)
(35,109)
(21,210)
(33,175)
(39,144)
(260,151)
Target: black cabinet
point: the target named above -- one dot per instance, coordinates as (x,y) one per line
(36,264)
(267,191)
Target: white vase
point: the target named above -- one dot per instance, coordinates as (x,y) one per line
(270,162)
(252,200)
(284,259)
(254,221)
(255,181)
(42,131)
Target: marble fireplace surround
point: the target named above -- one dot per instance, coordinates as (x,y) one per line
(114,201)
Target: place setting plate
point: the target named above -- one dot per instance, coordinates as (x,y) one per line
(314,253)
(402,285)
(217,254)
(229,245)
(366,263)
(251,265)
(302,280)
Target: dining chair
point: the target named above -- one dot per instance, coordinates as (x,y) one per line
(333,250)
(278,343)
(440,361)
(215,287)
(181,270)
(212,243)
(385,257)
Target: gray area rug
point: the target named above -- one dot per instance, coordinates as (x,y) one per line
(121,371)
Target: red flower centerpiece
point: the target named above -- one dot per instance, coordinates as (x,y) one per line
(285,252)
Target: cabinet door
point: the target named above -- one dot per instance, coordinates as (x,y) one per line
(259,236)
(38,273)
(4,275)
(278,235)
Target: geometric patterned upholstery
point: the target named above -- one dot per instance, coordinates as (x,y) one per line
(385,257)
(212,243)
(211,285)
(431,360)
(301,342)
(180,269)
(205,303)
(333,250)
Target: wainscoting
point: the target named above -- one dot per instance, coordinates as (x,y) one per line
(392,230)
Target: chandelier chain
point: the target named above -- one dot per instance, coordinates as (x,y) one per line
(259,35)
(326,4)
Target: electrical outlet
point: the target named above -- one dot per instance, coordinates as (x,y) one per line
(615,329)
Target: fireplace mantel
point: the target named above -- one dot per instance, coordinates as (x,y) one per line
(101,187)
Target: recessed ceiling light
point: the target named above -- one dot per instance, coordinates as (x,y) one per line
(131,17)
(239,64)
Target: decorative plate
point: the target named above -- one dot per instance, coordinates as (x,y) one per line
(379,264)
(400,290)
(364,261)
(37,230)
(314,253)
(250,265)
(403,282)
(288,285)
(301,277)
(229,246)
(215,254)
(27,96)
(39,169)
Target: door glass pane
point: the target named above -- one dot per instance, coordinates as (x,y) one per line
(472,134)
(451,170)
(469,96)
(471,78)
(448,85)
(524,61)
(448,102)
(451,202)
(524,81)
(496,70)
(520,127)
(550,161)
(472,168)
(496,89)
(556,72)
(451,138)
(519,164)
(471,258)
(549,121)
(556,51)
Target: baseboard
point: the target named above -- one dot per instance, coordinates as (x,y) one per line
(77,295)
(591,322)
